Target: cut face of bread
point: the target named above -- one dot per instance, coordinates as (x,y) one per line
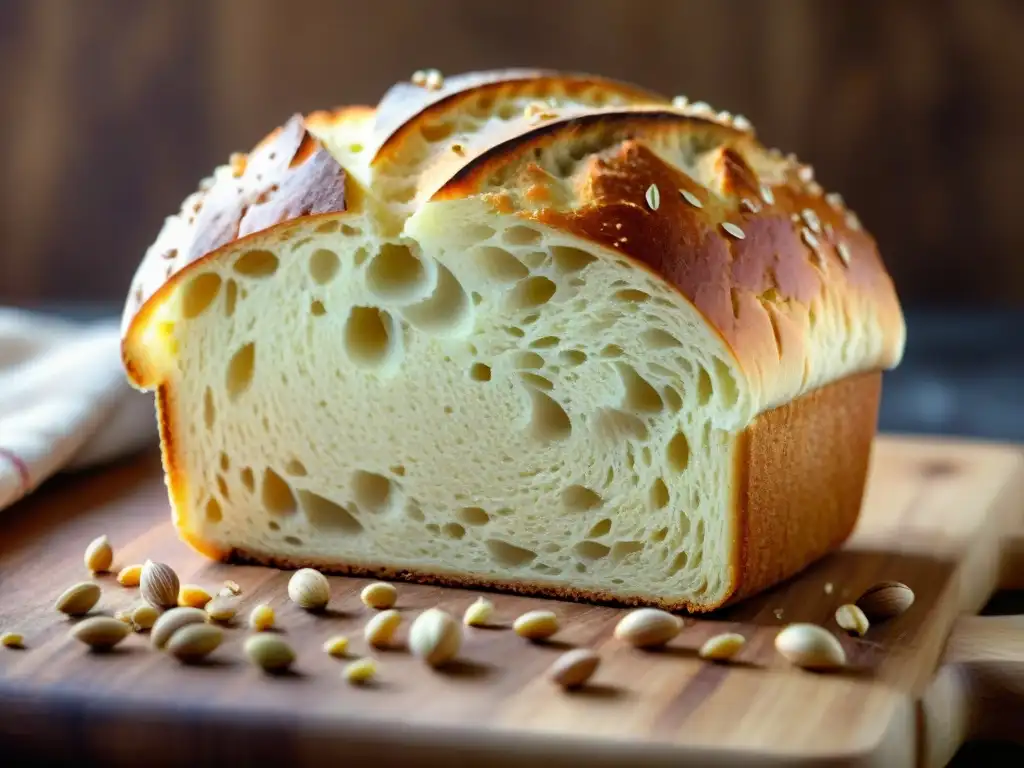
(520,375)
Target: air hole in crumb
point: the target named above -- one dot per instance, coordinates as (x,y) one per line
(705,389)
(699,533)
(531,318)
(678,562)
(480,372)
(579,498)
(572,356)
(396,274)
(295,541)
(640,396)
(398,470)
(536,380)
(240,370)
(209,409)
(622,549)
(659,535)
(520,235)
(569,259)
(317,308)
(447,309)
(274,525)
(433,132)
(659,494)
(324,513)
(551,548)
(433,528)
(509,554)
(534,259)
(248,480)
(515,332)
(632,295)
(729,390)
(413,512)
(230,297)
(323,266)
(548,420)
(327,227)
(277,495)
(257,263)
(672,399)
(611,351)
(473,516)
(545,342)
(678,452)
(225,462)
(368,336)
(222,486)
(498,264)
(531,292)
(199,293)
(656,338)
(614,425)
(296,468)
(371,490)
(601,528)
(591,550)
(360,256)
(350,231)
(528,360)
(477,298)
(453,530)
(214,514)
(580,568)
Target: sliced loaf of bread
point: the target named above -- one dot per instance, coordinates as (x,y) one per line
(542,332)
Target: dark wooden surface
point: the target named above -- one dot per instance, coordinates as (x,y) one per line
(931,519)
(111,110)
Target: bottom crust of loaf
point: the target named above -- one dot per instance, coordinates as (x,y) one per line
(801,472)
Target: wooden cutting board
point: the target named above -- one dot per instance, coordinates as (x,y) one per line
(941,517)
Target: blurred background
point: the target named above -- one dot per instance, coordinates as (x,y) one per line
(111,110)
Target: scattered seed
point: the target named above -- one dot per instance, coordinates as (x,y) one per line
(810,646)
(261,618)
(722,647)
(725,116)
(653,196)
(648,627)
(814,188)
(360,671)
(767,195)
(852,221)
(852,619)
(380,630)
(144,616)
(419,77)
(100,632)
(733,230)
(379,595)
(829,587)
(336,646)
(680,102)
(573,668)
(158,585)
(99,555)
(834,200)
(193,596)
(194,642)
(130,575)
(173,620)
(79,599)
(741,123)
(222,608)
(749,205)
(269,652)
(12,640)
(691,198)
(811,219)
(844,252)
(536,625)
(309,589)
(809,238)
(886,600)
(435,637)
(701,108)
(479,613)
(434,80)
(805,173)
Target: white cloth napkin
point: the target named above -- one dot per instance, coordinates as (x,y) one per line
(65,403)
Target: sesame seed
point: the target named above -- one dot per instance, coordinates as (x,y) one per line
(740,123)
(815,189)
(791,158)
(767,195)
(725,116)
(434,80)
(844,252)
(829,232)
(618,225)
(852,221)
(701,108)
(419,77)
(680,102)
(795,218)
(733,230)
(805,173)
(749,205)
(653,196)
(691,198)
(835,200)
(811,219)
(809,238)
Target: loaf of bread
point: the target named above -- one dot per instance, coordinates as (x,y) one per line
(532,331)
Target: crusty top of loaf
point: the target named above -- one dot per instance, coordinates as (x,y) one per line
(745,234)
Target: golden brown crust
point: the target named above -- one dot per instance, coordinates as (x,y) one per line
(287,176)
(801,470)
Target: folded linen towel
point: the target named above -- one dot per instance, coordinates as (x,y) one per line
(65,403)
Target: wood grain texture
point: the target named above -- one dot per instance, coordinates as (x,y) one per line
(111,111)
(933,518)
